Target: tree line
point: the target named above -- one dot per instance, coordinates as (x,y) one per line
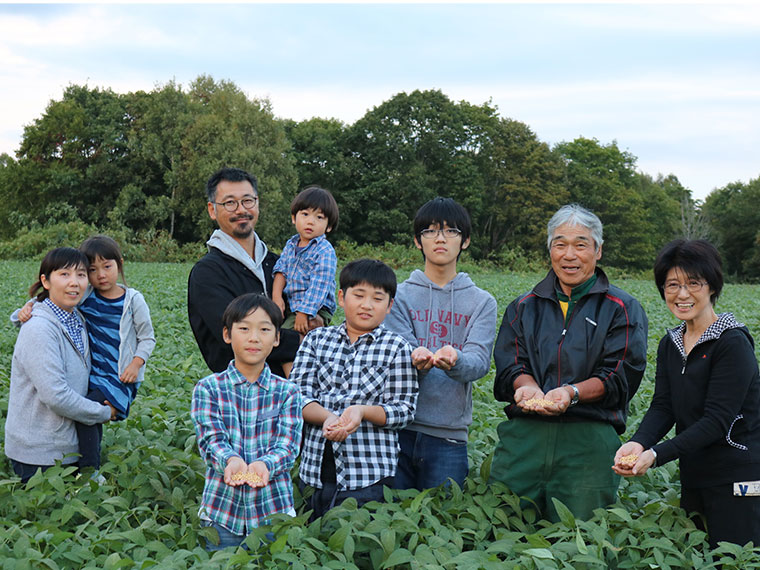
(135,165)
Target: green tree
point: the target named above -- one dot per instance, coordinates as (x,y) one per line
(734,220)
(524,187)
(75,153)
(159,120)
(318,151)
(407,151)
(603,178)
(664,202)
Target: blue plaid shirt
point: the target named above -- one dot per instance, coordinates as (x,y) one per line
(376,370)
(257,421)
(71,322)
(309,275)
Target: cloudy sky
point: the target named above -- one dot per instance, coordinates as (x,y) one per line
(677,85)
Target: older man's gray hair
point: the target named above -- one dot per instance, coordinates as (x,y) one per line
(575,215)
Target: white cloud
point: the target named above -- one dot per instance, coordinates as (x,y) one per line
(670,18)
(87,27)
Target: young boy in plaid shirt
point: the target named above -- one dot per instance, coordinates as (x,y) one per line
(248,425)
(305,271)
(359,388)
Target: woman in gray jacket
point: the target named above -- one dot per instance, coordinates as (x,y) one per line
(50,371)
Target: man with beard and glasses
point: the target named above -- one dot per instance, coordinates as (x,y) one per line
(237,262)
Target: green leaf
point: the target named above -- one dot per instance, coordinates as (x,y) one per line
(338,538)
(388,540)
(541,553)
(579,542)
(565,516)
(400,556)
(279,544)
(414,506)
(348,547)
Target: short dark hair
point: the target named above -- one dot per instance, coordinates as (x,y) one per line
(371,271)
(240,306)
(317,198)
(106,248)
(230,175)
(442,211)
(697,258)
(58,258)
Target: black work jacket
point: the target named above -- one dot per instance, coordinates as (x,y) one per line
(605,337)
(215,280)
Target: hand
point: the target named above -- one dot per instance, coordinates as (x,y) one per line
(422,358)
(332,428)
(25,312)
(526,393)
(351,418)
(259,468)
(302,323)
(445,358)
(114,411)
(348,423)
(561,398)
(129,376)
(235,465)
(316,322)
(643,463)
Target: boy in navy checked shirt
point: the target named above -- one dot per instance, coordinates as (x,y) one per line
(305,272)
(248,425)
(359,388)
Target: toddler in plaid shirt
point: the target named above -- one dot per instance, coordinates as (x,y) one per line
(248,425)
(359,388)
(305,271)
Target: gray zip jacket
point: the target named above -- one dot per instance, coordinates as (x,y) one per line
(49,379)
(461,315)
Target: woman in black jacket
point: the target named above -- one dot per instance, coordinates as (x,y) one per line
(706,384)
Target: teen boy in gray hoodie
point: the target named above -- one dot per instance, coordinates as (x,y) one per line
(453,324)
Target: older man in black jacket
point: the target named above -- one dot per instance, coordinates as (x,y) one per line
(569,356)
(237,262)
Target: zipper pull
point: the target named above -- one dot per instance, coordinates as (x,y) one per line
(562,336)
(683,370)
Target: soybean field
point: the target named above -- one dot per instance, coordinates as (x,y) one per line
(146,513)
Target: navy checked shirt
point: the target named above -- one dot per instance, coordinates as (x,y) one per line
(257,421)
(71,322)
(309,275)
(376,370)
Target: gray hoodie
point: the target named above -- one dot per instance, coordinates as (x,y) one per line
(49,379)
(461,315)
(229,246)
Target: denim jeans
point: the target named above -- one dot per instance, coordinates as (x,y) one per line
(227,538)
(426,461)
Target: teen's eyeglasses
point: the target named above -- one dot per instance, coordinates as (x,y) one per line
(693,286)
(448,233)
(232,205)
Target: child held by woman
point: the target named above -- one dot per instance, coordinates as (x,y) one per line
(120,334)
